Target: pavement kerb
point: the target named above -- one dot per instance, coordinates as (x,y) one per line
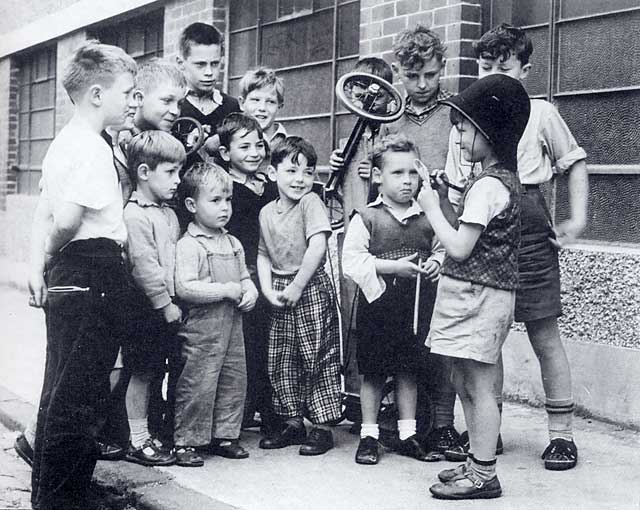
(144,488)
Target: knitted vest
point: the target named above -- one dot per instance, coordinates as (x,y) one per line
(494,259)
(390,239)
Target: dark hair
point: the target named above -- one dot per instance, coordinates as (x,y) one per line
(199,33)
(293,146)
(376,66)
(201,174)
(413,48)
(394,142)
(235,122)
(501,41)
(151,148)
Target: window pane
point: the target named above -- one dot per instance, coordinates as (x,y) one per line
(24,126)
(242,52)
(243,14)
(136,41)
(344,125)
(38,151)
(307,39)
(234,87)
(348,32)
(268,10)
(42,125)
(321,4)
(316,131)
(530,12)
(604,47)
(293,7)
(25,73)
(571,8)
(606,125)
(43,95)
(24,99)
(614,207)
(23,154)
(152,41)
(536,82)
(307,90)
(42,65)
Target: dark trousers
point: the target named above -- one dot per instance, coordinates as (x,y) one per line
(89,312)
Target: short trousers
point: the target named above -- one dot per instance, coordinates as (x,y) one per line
(538,295)
(470,320)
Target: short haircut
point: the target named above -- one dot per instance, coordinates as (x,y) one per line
(260,78)
(376,66)
(158,71)
(293,146)
(199,33)
(235,122)
(415,47)
(204,174)
(501,41)
(95,63)
(394,142)
(152,148)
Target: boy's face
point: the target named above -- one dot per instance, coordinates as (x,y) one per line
(488,65)
(245,152)
(421,83)
(398,178)
(163,181)
(473,145)
(262,104)
(160,107)
(202,67)
(118,101)
(294,180)
(359,93)
(212,207)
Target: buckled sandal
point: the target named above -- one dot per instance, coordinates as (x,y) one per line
(468,486)
(560,455)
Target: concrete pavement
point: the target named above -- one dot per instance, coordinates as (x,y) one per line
(606,477)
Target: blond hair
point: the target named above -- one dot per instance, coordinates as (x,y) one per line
(151,148)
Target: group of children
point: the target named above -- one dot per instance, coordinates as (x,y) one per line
(216,266)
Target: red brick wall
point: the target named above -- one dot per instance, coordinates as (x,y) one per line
(457,23)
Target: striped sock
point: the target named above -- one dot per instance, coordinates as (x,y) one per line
(484,469)
(560,414)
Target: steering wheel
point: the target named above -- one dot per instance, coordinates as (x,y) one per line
(190,133)
(370,97)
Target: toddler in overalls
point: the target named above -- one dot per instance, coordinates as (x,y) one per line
(213,283)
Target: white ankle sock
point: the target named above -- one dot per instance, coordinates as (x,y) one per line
(369,429)
(406,429)
(139,432)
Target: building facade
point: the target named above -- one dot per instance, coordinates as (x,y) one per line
(586,60)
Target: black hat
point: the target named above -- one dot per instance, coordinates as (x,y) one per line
(499,107)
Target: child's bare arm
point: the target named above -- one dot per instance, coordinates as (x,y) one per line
(65,225)
(42,223)
(578,185)
(313,257)
(190,288)
(266,283)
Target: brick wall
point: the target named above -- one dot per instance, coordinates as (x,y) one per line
(457,23)
(8,129)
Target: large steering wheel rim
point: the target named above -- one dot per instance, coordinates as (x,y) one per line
(360,112)
(182,127)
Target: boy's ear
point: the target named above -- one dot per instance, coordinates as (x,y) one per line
(241,102)
(138,96)
(224,153)
(94,93)
(190,204)
(180,62)
(376,174)
(271,172)
(525,71)
(143,172)
(395,67)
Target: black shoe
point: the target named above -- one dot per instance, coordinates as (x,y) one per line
(560,455)
(23,449)
(467,486)
(149,454)
(460,451)
(319,441)
(109,451)
(368,452)
(229,449)
(288,436)
(443,439)
(411,447)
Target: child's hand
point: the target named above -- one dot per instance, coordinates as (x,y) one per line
(336,161)
(428,198)
(273,297)
(291,294)
(405,268)
(568,231)
(364,169)
(234,291)
(172,313)
(37,289)
(431,269)
(438,180)
(248,300)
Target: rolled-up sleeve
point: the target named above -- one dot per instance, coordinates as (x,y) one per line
(562,146)
(358,264)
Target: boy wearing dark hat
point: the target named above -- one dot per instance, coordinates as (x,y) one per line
(476,294)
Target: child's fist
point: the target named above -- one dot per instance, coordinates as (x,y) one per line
(172,313)
(336,161)
(405,268)
(234,291)
(249,299)
(431,269)
(291,294)
(364,169)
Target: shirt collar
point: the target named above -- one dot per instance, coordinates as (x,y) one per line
(279,132)
(195,230)
(241,178)
(421,116)
(143,201)
(215,95)
(413,210)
